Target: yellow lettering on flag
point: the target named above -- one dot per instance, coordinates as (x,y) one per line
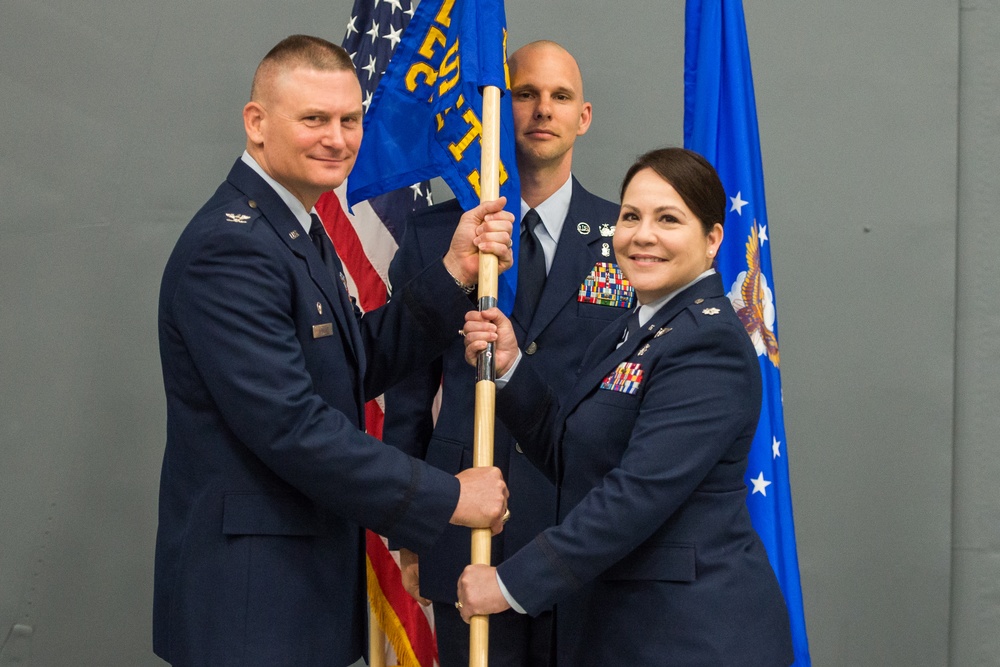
(444,14)
(475,131)
(448,65)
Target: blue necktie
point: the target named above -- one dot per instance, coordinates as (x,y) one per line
(631,326)
(323,245)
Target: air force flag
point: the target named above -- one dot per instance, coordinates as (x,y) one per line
(720,122)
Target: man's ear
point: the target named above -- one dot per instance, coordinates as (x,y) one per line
(586,113)
(254,118)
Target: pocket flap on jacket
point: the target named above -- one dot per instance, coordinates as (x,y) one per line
(262,514)
(661,562)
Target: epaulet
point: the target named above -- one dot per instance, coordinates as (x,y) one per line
(707,307)
(239,212)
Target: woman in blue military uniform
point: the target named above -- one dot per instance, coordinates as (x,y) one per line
(654,560)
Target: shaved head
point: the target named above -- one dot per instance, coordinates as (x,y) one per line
(546,49)
(550,112)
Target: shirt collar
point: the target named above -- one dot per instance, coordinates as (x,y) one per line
(553,211)
(647,310)
(291,201)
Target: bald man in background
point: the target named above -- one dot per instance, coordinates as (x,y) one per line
(555,317)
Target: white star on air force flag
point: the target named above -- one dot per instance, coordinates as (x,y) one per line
(738,203)
(760,484)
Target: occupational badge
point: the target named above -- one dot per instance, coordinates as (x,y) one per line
(583,228)
(607,230)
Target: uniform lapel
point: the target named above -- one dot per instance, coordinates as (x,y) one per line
(347,310)
(288,229)
(574,259)
(600,368)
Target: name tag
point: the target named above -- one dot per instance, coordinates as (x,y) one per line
(322,330)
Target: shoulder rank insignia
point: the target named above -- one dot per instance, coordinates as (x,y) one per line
(607,230)
(711,311)
(237,217)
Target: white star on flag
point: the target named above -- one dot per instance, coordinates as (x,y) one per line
(738,203)
(394,36)
(763,235)
(395,5)
(351,27)
(370,67)
(775,448)
(373,33)
(760,484)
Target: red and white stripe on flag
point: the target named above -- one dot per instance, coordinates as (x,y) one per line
(366,248)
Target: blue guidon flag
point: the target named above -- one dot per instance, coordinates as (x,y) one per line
(425,119)
(720,122)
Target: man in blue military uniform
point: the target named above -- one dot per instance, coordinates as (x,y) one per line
(563,302)
(268,476)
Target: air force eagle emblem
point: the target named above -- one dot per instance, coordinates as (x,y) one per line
(754,302)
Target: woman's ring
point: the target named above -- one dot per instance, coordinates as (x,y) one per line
(458,605)
(506,516)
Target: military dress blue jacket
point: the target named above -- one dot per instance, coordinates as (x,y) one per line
(267,475)
(654,560)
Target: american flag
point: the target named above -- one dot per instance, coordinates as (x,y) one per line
(366,241)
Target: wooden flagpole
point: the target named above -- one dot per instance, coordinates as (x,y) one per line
(482,452)
(376,642)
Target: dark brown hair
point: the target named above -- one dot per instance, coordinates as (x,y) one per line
(691,175)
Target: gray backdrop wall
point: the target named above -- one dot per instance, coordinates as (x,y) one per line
(881,140)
